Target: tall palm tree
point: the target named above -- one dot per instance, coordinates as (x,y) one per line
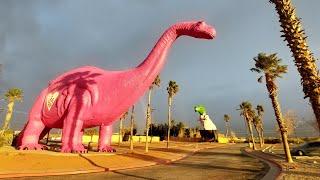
(227,118)
(303,58)
(172,89)
(270,66)
(248,114)
(258,126)
(155,83)
(123,117)
(131,128)
(260,111)
(12,95)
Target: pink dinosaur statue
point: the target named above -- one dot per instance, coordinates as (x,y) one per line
(89,96)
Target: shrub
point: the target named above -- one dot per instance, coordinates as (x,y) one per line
(272,140)
(6,138)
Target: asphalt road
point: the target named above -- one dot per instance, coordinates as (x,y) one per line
(218,163)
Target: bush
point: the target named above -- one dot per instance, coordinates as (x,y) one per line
(311,139)
(6,139)
(295,141)
(272,140)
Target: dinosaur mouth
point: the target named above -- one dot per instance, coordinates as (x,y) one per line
(211,33)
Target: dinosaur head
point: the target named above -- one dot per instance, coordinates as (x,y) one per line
(201,30)
(200,109)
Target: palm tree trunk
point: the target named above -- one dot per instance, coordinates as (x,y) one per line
(48,136)
(120,131)
(8,117)
(251,135)
(262,136)
(248,132)
(229,126)
(227,129)
(148,119)
(259,134)
(169,119)
(283,130)
(131,128)
(304,59)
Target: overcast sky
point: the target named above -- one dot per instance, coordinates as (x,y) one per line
(41,39)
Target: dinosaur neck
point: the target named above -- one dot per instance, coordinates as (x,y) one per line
(138,80)
(156,59)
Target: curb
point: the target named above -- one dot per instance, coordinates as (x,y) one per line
(275,171)
(2,176)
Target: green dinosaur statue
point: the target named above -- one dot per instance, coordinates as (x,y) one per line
(201,109)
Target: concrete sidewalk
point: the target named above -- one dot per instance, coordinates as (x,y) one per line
(14,163)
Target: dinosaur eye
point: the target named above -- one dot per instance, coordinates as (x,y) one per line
(200,23)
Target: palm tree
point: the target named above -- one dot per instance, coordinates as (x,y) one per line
(123,117)
(248,114)
(258,126)
(180,127)
(260,111)
(303,58)
(270,66)
(90,132)
(227,118)
(172,89)
(12,95)
(155,83)
(131,128)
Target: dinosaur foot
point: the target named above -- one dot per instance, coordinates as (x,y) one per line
(75,149)
(79,149)
(31,147)
(106,148)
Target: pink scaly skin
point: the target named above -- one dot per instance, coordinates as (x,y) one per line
(89,96)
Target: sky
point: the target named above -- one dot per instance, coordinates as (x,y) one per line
(42,39)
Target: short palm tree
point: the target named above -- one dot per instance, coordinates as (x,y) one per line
(12,95)
(90,132)
(172,89)
(248,114)
(260,111)
(155,83)
(180,128)
(123,117)
(270,66)
(227,118)
(303,58)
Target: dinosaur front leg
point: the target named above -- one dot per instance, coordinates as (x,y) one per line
(30,135)
(105,135)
